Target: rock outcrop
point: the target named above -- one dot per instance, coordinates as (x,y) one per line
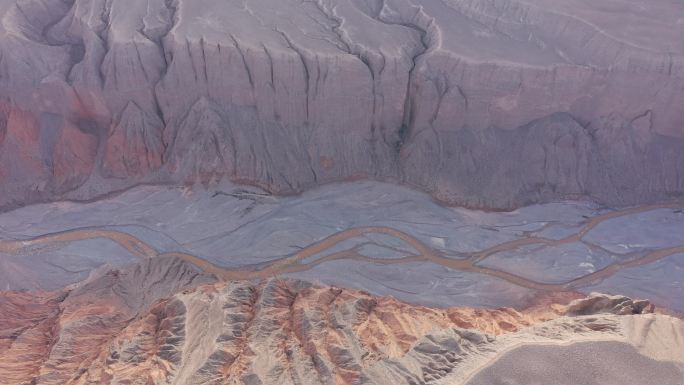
(132,326)
(487,103)
(46,338)
(162,322)
(598,303)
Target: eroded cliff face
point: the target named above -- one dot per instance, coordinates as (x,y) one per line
(489,103)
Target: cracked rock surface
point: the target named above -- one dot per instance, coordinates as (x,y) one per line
(485,103)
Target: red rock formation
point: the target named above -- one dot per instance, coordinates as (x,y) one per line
(74,156)
(134,146)
(27,329)
(117,330)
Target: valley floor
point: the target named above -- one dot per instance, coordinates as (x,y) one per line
(381,238)
(355,283)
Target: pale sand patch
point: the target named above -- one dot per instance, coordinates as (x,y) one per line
(657,340)
(657,337)
(584,363)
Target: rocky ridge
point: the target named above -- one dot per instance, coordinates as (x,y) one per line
(163,322)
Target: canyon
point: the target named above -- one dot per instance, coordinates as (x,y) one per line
(300,192)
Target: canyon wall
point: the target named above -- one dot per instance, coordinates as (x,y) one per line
(484,103)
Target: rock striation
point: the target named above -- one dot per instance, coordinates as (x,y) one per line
(164,322)
(47,338)
(486,103)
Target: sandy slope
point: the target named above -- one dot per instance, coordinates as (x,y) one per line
(586,363)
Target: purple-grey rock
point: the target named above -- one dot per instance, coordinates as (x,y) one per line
(486,103)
